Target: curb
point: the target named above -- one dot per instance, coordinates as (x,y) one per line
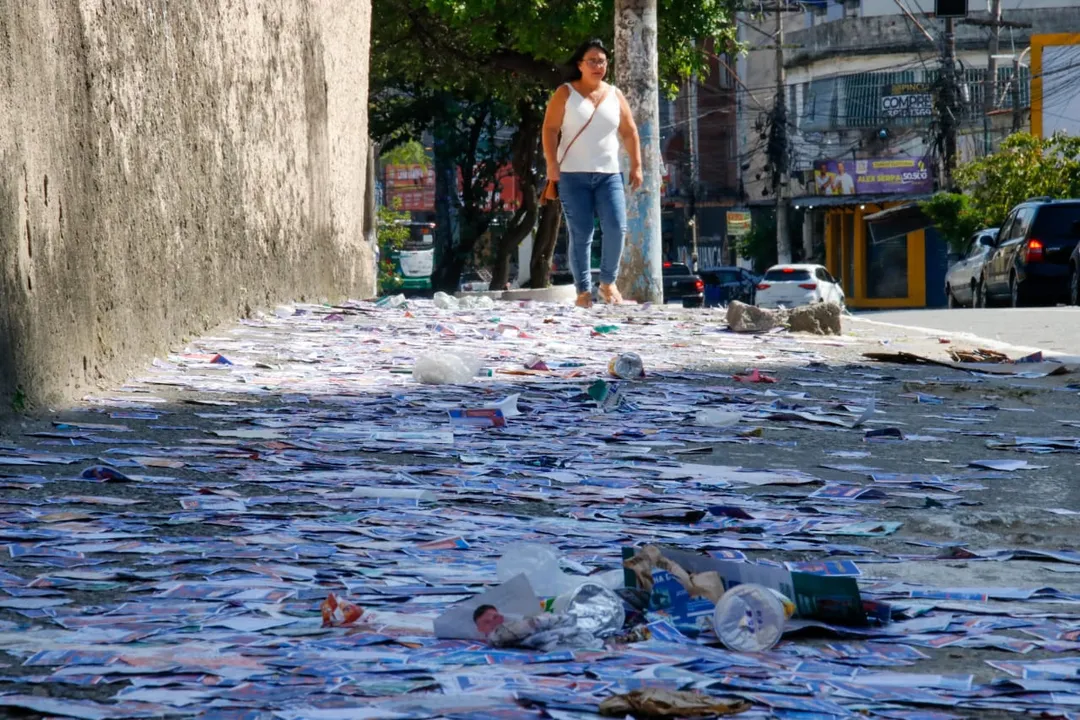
(966,336)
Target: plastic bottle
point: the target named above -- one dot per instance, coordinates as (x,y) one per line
(750,618)
(627,366)
(392,301)
(717,418)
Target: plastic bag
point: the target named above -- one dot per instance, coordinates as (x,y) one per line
(476,302)
(469,302)
(539,564)
(444,368)
(446,302)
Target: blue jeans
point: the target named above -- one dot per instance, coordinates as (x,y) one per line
(585,195)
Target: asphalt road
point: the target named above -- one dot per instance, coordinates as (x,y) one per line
(1056,329)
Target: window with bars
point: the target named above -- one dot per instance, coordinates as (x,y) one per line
(899,99)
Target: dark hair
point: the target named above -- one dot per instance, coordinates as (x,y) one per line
(573,72)
(481,610)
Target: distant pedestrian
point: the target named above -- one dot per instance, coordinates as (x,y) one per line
(585,120)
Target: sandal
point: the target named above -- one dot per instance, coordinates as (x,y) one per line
(610,294)
(584,299)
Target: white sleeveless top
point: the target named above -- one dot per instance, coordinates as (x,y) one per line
(597,150)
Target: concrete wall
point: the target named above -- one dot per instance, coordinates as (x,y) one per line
(889,7)
(832,42)
(876,42)
(167,165)
(756,97)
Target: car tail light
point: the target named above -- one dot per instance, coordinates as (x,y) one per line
(1034,251)
(700,285)
(763,286)
(667,264)
(808,286)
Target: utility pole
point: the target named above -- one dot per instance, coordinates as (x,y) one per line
(695,172)
(780,148)
(637,74)
(1018,112)
(948,101)
(995,23)
(990,81)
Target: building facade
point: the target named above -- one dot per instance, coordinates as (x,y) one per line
(701,173)
(866,86)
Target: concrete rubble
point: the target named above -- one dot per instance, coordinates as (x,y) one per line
(819,319)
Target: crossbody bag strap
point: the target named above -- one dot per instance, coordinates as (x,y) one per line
(596,109)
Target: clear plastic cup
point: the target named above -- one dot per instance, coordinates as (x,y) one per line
(750,618)
(627,366)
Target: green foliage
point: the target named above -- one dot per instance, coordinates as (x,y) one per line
(1024,167)
(507,50)
(409,152)
(759,245)
(954,217)
(466,70)
(392,238)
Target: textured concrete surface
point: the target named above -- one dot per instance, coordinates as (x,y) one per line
(818,319)
(1054,330)
(165,166)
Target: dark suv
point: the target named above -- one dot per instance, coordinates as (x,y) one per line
(1030,260)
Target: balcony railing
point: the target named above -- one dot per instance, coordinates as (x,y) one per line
(899,99)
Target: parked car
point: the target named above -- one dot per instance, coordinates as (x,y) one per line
(794,285)
(964,276)
(1074,276)
(1030,260)
(681,285)
(727,283)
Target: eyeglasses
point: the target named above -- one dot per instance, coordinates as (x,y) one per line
(596,62)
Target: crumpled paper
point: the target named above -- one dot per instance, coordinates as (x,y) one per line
(660,703)
(706,585)
(338,613)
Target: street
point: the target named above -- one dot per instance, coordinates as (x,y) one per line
(171,540)
(1054,329)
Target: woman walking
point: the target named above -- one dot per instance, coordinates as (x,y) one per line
(584,122)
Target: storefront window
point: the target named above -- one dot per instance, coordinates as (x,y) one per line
(887,267)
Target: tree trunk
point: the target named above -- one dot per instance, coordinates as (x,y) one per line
(547,234)
(473,220)
(500,270)
(526,146)
(637,75)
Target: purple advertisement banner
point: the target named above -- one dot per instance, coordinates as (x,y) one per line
(873,176)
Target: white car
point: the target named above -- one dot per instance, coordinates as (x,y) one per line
(794,285)
(962,280)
